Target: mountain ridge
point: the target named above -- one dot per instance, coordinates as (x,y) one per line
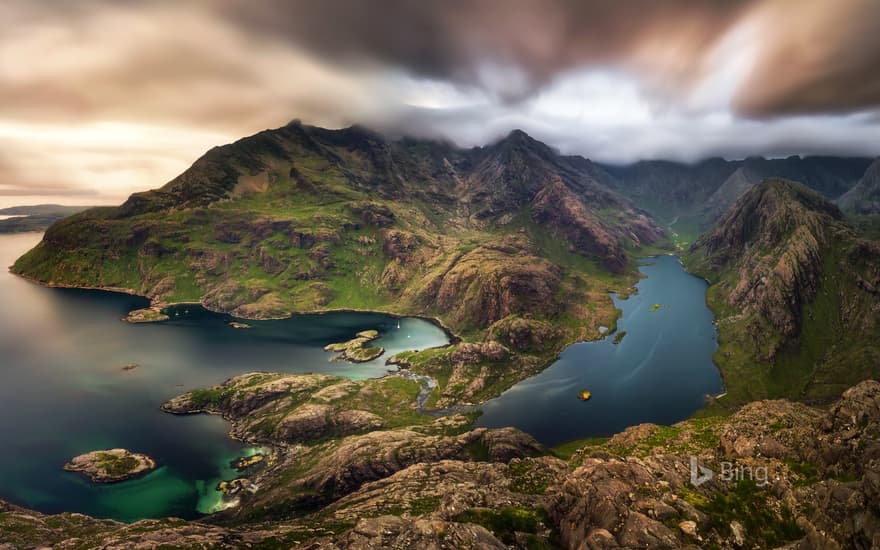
(509,242)
(791,280)
(697,194)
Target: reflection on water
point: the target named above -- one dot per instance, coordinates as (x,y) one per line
(64,390)
(660,371)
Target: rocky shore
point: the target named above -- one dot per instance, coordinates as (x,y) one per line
(808,478)
(112,465)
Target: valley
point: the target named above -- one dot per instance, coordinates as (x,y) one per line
(432,275)
(500,280)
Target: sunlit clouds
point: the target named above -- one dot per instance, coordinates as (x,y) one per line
(102,98)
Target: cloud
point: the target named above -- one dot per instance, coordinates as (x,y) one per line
(469,42)
(805,55)
(817,57)
(108,97)
(614,117)
(175,65)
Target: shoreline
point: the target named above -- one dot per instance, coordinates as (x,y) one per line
(436,321)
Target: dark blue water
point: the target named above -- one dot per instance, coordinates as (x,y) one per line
(660,372)
(63,390)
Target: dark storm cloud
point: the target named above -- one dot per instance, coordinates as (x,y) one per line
(456,39)
(123,95)
(817,57)
(814,55)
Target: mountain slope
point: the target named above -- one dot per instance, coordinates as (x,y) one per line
(696,195)
(305,219)
(797,294)
(864,198)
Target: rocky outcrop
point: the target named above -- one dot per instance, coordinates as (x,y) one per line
(807,478)
(111,465)
(476,352)
(524,334)
(146,315)
(807,457)
(500,278)
(361,459)
(558,207)
(356,350)
(607,503)
(396,532)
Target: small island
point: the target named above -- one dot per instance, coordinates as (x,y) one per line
(112,465)
(585,395)
(356,350)
(238,325)
(146,315)
(619,336)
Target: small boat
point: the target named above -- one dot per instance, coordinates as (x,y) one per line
(585,395)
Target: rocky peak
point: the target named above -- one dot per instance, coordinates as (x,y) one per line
(775,240)
(770,258)
(767,215)
(521,141)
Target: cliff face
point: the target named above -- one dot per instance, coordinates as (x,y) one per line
(783,474)
(788,273)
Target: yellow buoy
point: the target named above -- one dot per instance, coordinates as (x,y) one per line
(584,395)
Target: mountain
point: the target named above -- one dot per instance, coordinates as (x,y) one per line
(796,293)
(785,475)
(509,243)
(864,198)
(34,218)
(670,189)
(694,196)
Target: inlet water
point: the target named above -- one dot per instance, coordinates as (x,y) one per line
(661,371)
(63,390)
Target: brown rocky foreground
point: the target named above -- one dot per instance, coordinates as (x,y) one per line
(807,478)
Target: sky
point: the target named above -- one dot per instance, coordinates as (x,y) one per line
(101,98)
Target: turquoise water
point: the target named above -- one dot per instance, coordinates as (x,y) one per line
(660,372)
(64,391)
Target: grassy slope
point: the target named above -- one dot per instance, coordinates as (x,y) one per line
(247,256)
(836,345)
